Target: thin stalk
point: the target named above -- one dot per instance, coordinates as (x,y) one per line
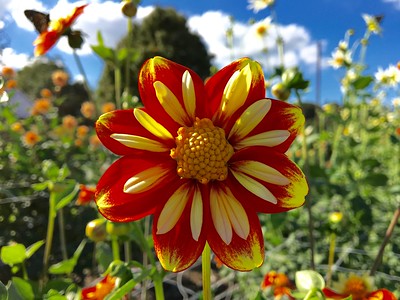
(128,58)
(83,73)
(332,243)
(158,286)
(306,169)
(206,272)
(61,227)
(388,234)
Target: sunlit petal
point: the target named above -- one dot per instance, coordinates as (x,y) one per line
(267,139)
(139,142)
(250,118)
(170,103)
(220,216)
(152,125)
(196,214)
(189,95)
(145,180)
(261,171)
(255,187)
(172,210)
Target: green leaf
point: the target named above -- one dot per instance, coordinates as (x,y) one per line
(63,173)
(376,179)
(13,254)
(23,287)
(122,54)
(362,82)
(309,279)
(64,267)
(122,291)
(103,254)
(3,292)
(65,193)
(33,248)
(40,186)
(13,293)
(50,169)
(54,295)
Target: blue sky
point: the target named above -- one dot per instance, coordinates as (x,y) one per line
(302,24)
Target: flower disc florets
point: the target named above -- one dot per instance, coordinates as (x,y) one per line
(202,152)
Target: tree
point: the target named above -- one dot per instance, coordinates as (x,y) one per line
(164,32)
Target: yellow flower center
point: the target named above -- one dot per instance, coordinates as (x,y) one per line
(202,152)
(356,287)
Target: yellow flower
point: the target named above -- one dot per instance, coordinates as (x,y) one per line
(7,72)
(46,93)
(107,107)
(41,106)
(336,217)
(11,84)
(30,138)
(82,131)
(59,78)
(69,122)
(17,127)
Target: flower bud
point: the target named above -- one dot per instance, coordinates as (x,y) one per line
(129,8)
(117,229)
(280,91)
(96,230)
(75,39)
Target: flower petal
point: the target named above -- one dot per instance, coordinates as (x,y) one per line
(250,119)
(196,214)
(381,294)
(145,180)
(170,74)
(220,89)
(277,129)
(151,125)
(176,249)
(124,124)
(240,254)
(248,177)
(138,142)
(189,95)
(172,210)
(116,205)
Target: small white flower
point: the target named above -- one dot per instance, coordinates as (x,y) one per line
(340,58)
(396,102)
(372,23)
(257,5)
(389,76)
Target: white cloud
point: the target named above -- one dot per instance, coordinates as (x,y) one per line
(299,48)
(15,60)
(396,3)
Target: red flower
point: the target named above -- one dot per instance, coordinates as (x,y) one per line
(279,283)
(204,159)
(100,290)
(86,195)
(381,294)
(57,28)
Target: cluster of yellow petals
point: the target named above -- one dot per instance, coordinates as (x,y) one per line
(202,152)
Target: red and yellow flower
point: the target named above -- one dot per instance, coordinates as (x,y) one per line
(204,159)
(57,28)
(279,283)
(359,288)
(86,194)
(100,290)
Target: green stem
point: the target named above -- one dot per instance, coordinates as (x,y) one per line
(128,59)
(206,272)
(61,227)
(117,78)
(332,242)
(115,248)
(49,234)
(158,286)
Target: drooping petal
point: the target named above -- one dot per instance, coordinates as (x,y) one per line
(45,41)
(170,74)
(272,170)
(332,294)
(119,206)
(381,294)
(276,130)
(120,131)
(196,214)
(249,80)
(240,254)
(177,249)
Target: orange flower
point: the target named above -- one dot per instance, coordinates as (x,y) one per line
(100,290)
(94,141)
(107,107)
(11,84)
(57,28)
(41,106)
(30,138)
(88,109)
(69,122)
(82,131)
(398,131)
(7,72)
(279,283)
(46,93)
(86,195)
(60,78)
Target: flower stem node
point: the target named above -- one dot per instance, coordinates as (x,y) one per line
(202,152)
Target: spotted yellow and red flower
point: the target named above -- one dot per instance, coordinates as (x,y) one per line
(57,28)
(279,284)
(204,159)
(358,287)
(100,290)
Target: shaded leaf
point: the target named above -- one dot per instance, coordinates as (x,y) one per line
(23,287)
(33,248)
